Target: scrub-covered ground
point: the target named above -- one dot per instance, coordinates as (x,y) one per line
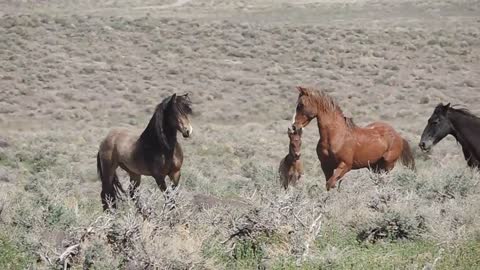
(71,70)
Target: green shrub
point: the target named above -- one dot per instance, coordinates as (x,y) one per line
(392,226)
(11,257)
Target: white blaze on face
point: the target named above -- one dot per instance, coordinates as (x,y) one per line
(190,130)
(294,114)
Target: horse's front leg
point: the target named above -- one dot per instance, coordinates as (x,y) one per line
(169,201)
(160,179)
(338,173)
(175,178)
(171,194)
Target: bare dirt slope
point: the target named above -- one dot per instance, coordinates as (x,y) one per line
(70,70)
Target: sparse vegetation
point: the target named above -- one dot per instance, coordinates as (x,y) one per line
(70,70)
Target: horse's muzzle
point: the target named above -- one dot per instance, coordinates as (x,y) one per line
(425,146)
(296,126)
(187,132)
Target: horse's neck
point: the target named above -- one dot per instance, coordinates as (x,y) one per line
(466,131)
(289,159)
(330,126)
(150,138)
(171,137)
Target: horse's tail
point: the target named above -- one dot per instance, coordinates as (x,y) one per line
(109,190)
(282,174)
(117,184)
(407,156)
(99,167)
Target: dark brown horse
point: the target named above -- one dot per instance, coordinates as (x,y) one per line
(291,167)
(461,124)
(155,152)
(343,146)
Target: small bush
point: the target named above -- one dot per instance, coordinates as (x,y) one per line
(59,216)
(247,254)
(405,178)
(392,226)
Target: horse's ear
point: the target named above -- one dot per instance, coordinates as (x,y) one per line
(290,131)
(442,108)
(302,90)
(173,98)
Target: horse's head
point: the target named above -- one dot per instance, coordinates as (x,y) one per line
(437,128)
(306,109)
(295,145)
(180,106)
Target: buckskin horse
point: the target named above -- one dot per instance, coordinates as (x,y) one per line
(155,152)
(344,146)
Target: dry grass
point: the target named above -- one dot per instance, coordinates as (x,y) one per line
(70,70)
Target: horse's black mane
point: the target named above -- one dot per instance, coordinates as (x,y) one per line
(158,133)
(465,112)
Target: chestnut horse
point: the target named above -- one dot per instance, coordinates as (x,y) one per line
(291,168)
(343,146)
(155,152)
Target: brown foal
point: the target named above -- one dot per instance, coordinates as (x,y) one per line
(291,167)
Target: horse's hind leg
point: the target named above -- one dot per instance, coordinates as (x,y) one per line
(388,162)
(108,193)
(391,156)
(134,183)
(378,167)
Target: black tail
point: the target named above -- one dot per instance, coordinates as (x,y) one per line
(407,156)
(110,190)
(117,184)
(99,167)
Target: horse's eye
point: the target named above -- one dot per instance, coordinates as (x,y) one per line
(300,106)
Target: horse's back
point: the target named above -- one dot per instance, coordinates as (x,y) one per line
(381,129)
(115,135)
(380,126)
(120,141)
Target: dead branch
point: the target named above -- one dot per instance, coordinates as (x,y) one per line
(312,235)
